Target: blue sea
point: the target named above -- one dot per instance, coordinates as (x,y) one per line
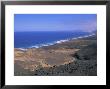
(44,38)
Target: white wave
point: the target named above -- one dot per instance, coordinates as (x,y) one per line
(23,49)
(34,47)
(41,45)
(84,36)
(60,41)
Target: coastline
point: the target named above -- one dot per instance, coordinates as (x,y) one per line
(56,42)
(30,61)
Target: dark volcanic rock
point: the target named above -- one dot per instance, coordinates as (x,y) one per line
(79,68)
(87,53)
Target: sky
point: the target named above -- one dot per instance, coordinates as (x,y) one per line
(55,22)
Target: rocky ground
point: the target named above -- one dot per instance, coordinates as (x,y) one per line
(73,58)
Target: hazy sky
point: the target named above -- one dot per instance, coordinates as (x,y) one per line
(55,22)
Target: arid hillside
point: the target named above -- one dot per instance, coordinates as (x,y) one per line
(74,58)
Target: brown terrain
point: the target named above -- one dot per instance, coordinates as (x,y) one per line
(31,61)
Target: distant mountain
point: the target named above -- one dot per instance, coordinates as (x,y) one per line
(95,31)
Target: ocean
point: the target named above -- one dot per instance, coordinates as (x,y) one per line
(43,38)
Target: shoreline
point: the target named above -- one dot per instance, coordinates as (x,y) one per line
(55,42)
(58,57)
